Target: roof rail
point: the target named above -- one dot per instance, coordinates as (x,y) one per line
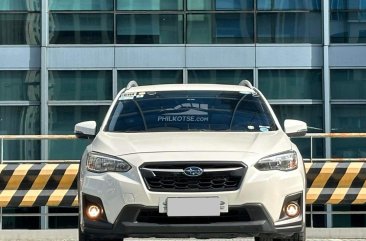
(246,83)
(131,84)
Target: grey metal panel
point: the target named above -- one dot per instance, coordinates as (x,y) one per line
(220,57)
(80,57)
(344,56)
(150,57)
(20,57)
(289,56)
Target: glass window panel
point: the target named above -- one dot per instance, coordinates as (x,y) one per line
(62,120)
(21,222)
(349,118)
(289,27)
(348,83)
(63,222)
(318,220)
(232,77)
(220,5)
(313,116)
(149,77)
(81,28)
(20,28)
(348,4)
(289,4)
(20,85)
(291,84)
(349,148)
(80,85)
(348,220)
(20,5)
(30,210)
(149,4)
(150,29)
(20,120)
(348,27)
(221,28)
(81,5)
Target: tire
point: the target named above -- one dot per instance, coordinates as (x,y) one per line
(85,237)
(82,236)
(263,239)
(299,237)
(296,237)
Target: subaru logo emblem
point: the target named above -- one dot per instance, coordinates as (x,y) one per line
(193,171)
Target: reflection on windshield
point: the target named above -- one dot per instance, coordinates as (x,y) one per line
(190,111)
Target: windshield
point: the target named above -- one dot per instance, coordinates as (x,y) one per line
(190,111)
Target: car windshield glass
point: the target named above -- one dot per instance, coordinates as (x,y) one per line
(190,111)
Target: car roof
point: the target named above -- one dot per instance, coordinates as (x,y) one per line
(180,87)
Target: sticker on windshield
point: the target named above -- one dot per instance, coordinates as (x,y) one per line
(185,112)
(151,93)
(182,118)
(264,128)
(127,96)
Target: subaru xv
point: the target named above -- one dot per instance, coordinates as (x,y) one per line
(191,160)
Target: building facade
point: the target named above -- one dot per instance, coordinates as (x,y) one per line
(63,61)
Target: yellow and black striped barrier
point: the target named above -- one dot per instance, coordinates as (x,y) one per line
(46,184)
(336,182)
(31,185)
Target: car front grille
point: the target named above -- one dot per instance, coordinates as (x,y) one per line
(170,177)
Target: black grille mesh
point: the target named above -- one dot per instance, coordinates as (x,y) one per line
(166,181)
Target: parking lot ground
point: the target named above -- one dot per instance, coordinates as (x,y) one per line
(314,234)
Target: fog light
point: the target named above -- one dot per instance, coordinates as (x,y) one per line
(93,211)
(292,209)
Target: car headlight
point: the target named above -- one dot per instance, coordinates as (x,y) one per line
(102,163)
(286,161)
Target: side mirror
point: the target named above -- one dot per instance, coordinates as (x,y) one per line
(85,130)
(295,128)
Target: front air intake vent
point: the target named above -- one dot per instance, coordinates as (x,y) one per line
(193,176)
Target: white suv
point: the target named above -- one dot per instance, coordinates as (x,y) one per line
(191,160)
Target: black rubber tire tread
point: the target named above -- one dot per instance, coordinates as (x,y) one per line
(299,237)
(263,239)
(82,236)
(296,237)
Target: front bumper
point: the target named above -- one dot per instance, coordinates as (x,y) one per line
(141,221)
(125,196)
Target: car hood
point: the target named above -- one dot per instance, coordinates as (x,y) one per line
(120,144)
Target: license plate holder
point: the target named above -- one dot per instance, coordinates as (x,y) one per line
(193,207)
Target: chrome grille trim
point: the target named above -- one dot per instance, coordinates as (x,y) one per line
(204,169)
